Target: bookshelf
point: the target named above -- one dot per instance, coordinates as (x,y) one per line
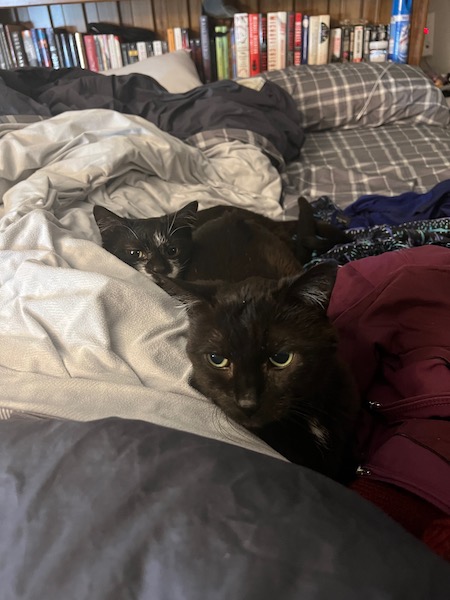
(159,15)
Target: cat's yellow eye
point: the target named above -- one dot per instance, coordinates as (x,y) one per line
(281,360)
(136,253)
(171,251)
(218,361)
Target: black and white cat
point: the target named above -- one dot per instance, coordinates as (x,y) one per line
(155,245)
(262,347)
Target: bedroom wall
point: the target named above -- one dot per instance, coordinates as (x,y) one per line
(440,59)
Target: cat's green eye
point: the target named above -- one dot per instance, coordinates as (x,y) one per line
(171,251)
(218,361)
(281,360)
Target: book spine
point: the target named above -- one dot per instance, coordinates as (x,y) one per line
(208,56)
(272,40)
(335,53)
(358,44)
(185,40)
(67,57)
(10,44)
(305,39)
(242,44)
(281,39)
(218,30)
(149,47)
(366,42)
(170,39)
(43,47)
(4,62)
(124,53)
(298,39)
(290,34)
(313,41)
(133,55)
(91,54)
(345,54)
(263,41)
(323,40)
(30,49)
(16,37)
(73,50)
(178,38)
(142,50)
(80,50)
(254,37)
(158,48)
(54,56)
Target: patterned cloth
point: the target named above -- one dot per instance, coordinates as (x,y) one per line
(375,240)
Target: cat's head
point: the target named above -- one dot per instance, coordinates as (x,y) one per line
(160,245)
(260,348)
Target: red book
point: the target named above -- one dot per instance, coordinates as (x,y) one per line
(298,38)
(253,34)
(91,54)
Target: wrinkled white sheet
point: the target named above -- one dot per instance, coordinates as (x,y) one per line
(84,336)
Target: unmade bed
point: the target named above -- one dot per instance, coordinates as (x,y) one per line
(118,479)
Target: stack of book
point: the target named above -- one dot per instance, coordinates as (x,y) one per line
(58,48)
(250,43)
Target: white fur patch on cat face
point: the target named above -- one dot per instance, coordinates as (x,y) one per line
(160,239)
(319,432)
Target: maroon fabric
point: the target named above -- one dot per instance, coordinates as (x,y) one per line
(393,315)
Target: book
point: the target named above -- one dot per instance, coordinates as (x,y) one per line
(133,54)
(15,36)
(281,39)
(220,31)
(43,47)
(157,48)
(290,34)
(115,52)
(80,49)
(323,41)
(345,52)
(242,44)
(178,38)
(30,48)
(73,49)
(263,41)
(305,39)
(53,49)
(142,50)
(298,38)
(313,39)
(272,40)
(5,52)
(91,54)
(196,54)
(64,41)
(358,43)
(208,50)
(254,40)
(335,49)
(170,39)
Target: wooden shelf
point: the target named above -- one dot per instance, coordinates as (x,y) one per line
(158,15)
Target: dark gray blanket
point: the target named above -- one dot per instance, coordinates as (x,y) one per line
(118,510)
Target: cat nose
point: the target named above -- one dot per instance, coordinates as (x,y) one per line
(157,267)
(248,405)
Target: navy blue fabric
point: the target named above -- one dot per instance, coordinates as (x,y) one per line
(372,210)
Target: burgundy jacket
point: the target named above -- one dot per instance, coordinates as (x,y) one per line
(393,315)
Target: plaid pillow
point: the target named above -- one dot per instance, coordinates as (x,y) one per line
(350,95)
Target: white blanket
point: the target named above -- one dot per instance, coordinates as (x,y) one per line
(83,335)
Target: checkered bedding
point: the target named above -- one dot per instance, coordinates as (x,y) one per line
(370,129)
(346,164)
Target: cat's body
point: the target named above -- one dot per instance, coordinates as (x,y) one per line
(260,343)
(262,347)
(166,244)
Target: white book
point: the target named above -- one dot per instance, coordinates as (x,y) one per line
(141,47)
(358,43)
(272,41)
(335,50)
(281,38)
(80,50)
(313,40)
(323,40)
(157,48)
(241,45)
(178,38)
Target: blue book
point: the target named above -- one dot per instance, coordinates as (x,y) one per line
(305,38)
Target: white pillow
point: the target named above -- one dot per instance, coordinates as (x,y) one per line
(175,71)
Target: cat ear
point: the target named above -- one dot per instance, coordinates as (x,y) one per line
(188,213)
(105,218)
(315,285)
(188,292)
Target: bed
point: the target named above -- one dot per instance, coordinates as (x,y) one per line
(118,480)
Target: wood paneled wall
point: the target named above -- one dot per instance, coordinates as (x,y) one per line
(158,15)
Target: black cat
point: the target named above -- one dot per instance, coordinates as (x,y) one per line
(261,345)
(165,244)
